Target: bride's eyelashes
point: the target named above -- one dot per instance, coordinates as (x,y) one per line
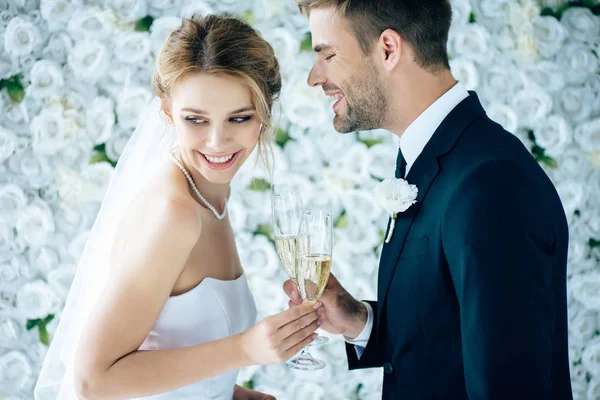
(202,121)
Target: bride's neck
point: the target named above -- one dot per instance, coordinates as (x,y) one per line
(214,193)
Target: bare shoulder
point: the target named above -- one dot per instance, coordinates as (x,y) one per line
(164,207)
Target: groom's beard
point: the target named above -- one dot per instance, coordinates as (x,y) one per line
(366,102)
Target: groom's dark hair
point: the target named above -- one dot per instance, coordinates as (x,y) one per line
(424,24)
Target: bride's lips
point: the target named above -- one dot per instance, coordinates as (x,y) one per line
(219,166)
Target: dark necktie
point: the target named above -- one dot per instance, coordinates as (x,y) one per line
(400,165)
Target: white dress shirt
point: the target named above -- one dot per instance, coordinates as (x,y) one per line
(412,143)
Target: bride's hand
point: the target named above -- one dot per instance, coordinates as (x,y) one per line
(277,338)
(241,393)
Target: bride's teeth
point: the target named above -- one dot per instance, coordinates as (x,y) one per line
(219,160)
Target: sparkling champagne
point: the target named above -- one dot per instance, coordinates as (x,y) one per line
(313,273)
(286,249)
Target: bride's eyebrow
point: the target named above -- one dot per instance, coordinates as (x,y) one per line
(196,111)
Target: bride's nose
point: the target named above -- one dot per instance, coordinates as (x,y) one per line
(217,137)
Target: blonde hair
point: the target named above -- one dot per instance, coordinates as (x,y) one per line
(215,44)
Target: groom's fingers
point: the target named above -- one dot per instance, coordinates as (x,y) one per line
(293,314)
(291,290)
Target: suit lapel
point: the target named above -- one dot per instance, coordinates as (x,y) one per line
(422,174)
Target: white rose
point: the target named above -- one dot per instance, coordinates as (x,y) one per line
(355,163)
(501,82)
(554,4)
(58,47)
(465,71)
(473,42)
(36,300)
(8,144)
(159,7)
(77,245)
(546,74)
(520,14)
(591,357)
(553,134)
(532,104)
(576,102)
(159,31)
(395,195)
(504,115)
(97,176)
(586,289)
(70,220)
(461,12)
(12,200)
(44,259)
(131,103)
(587,135)
(8,65)
(70,185)
(581,23)
(304,105)
(35,223)
(491,12)
(276,376)
(48,130)
(129,10)
(594,388)
(89,60)
(267,10)
(92,23)
(382,161)
(230,6)
(15,371)
(46,79)
(57,13)
(116,144)
(100,119)
(363,235)
(527,51)
(505,41)
(10,331)
(579,61)
(550,35)
(582,325)
(196,7)
(30,169)
(573,195)
(304,389)
(285,45)
(21,37)
(132,47)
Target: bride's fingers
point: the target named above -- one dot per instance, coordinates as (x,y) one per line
(296,348)
(294,313)
(295,326)
(300,335)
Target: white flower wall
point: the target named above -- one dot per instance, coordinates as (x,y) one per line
(75,74)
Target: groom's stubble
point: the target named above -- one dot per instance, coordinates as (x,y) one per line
(366,98)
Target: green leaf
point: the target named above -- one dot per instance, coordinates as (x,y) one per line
(44,337)
(371,142)
(99,157)
(549,161)
(472,18)
(281,137)
(32,323)
(144,24)
(49,318)
(548,12)
(15,88)
(538,151)
(100,147)
(306,44)
(249,384)
(594,243)
(265,230)
(596,10)
(248,16)
(259,185)
(357,391)
(342,221)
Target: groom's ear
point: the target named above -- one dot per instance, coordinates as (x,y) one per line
(390,48)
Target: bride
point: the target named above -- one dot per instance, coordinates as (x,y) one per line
(160,305)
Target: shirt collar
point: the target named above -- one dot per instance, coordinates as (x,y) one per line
(416,136)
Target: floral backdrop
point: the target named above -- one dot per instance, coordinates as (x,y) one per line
(75,74)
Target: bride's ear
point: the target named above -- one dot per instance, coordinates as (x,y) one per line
(165,108)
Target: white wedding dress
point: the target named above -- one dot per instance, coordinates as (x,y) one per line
(212,310)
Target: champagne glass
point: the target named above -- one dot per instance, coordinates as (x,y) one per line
(314,245)
(287,211)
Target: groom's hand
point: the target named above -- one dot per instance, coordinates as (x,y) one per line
(343,313)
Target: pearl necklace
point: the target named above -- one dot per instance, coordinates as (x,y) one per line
(193,185)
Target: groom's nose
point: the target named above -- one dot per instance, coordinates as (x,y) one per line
(316,77)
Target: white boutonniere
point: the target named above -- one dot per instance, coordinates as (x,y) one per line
(395,196)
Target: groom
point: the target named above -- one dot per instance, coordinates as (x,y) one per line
(472,289)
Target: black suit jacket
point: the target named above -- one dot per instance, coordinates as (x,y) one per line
(472,288)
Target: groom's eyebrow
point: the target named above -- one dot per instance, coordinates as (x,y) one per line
(321,47)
